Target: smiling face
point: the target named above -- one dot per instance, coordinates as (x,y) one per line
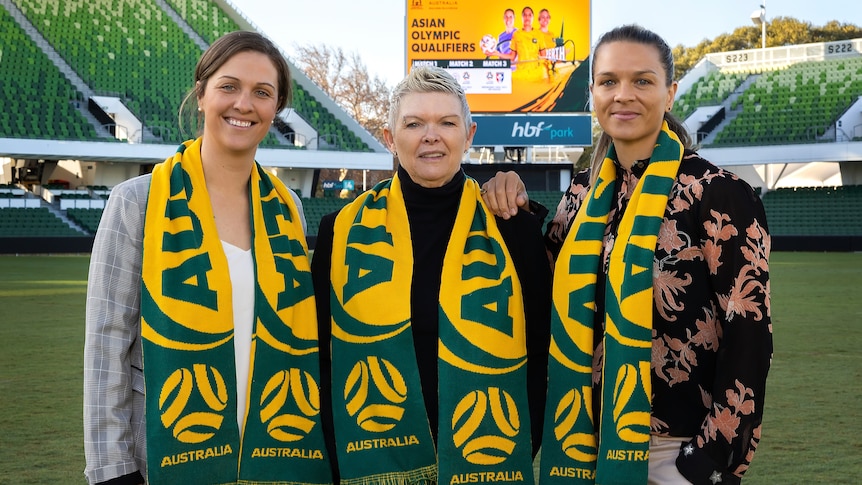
(430,136)
(509,19)
(631,93)
(527,18)
(239,103)
(544,20)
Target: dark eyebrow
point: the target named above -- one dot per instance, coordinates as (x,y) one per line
(227,76)
(637,73)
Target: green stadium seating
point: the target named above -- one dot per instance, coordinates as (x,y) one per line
(313,208)
(129,49)
(797,104)
(132,50)
(205,17)
(37,99)
(815,211)
(802,211)
(86,218)
(317,207)
(548,198)
(33,222)
(709,90)
(332,134)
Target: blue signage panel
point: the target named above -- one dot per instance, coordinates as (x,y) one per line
(338,184)
(531,130)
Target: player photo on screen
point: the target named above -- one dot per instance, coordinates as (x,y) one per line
(516,58)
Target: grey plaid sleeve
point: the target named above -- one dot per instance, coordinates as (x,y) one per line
(113,371)
(298,202)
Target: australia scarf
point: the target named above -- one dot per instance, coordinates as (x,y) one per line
(188,330)
(570,452)
(381,426)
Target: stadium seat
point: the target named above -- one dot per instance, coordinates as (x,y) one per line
(798,103)
(35,95)
(814,211)
(35,222)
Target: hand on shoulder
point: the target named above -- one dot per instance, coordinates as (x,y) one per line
(505,193)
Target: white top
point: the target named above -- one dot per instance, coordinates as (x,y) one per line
(241,267)
(115,443)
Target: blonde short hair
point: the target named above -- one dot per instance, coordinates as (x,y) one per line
(428,79)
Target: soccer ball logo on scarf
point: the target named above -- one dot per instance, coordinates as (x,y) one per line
(199,426)
(576,445)
(485,441)
(294,424)
(373,392)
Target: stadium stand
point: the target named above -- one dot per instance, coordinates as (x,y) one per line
(37,100)
(210,22)
(708,90)
(332,132)
(13,196)
(813,211)
(755,111)
(798,100)
(548,198)
(205,17)
(794,105)
(317,207)
(88,219)
(35,222)
(136,52)
(789,120)
(125,49)
(79,71)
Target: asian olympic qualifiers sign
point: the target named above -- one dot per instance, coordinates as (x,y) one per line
(509,58)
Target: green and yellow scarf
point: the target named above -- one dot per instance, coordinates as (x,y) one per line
(381,426)
(570,452)
(188,330)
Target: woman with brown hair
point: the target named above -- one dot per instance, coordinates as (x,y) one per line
(200,314)
(661,333)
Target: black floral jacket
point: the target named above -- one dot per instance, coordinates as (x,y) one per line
(712,332)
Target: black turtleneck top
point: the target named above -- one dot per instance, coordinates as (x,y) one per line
(431,213)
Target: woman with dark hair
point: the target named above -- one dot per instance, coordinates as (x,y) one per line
(661,333)
(215,297)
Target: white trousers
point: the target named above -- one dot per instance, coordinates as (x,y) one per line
(662,461)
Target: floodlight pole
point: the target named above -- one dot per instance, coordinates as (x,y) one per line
(759,18)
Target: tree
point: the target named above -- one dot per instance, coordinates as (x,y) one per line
(345,79)
(780,31)
(835,30)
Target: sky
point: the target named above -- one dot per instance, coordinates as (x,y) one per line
(375,29)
